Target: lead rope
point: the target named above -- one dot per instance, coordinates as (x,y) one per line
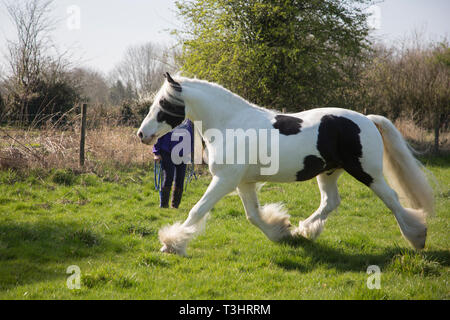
(157,176)
(190,169)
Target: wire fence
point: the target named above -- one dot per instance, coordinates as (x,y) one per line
(95,119)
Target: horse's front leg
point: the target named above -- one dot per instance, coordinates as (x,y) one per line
(175,238)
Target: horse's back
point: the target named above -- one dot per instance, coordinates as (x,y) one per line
(323,140)
(315,115)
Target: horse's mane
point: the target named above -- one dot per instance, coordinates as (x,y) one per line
(217,90)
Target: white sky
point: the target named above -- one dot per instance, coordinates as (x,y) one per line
(108,27)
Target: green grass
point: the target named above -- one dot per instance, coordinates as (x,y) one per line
(108,226)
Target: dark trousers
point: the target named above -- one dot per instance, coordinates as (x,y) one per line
(172,172)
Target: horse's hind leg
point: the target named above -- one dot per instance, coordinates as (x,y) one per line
(330,200)
(271,218)
(411,223)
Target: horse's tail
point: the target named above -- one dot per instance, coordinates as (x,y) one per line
(403,171)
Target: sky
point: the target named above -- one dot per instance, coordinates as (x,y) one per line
(97,32)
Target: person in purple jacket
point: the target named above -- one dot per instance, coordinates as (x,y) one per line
(168,152)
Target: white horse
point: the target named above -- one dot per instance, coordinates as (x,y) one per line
(318,143)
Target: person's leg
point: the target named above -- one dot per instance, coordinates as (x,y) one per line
(168,169)
(180,173)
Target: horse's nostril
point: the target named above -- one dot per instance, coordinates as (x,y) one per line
(140,135)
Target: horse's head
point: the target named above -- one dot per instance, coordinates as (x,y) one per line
(166,112)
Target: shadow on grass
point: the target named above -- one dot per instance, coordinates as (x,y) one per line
(341,260)
(34,252)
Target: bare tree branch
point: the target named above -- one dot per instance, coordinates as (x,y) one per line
(143,66)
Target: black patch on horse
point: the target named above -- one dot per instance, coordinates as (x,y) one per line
(168,112)
(340,146)
(312,166)
(287,125)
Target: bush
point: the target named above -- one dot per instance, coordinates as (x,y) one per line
(64,177)
(2,108)
(47,100)
(133,112)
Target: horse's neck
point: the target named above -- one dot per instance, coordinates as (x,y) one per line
(213,109)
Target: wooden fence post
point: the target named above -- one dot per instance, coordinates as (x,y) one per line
(83,133)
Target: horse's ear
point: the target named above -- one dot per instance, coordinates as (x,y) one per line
(169,78)
(172,82)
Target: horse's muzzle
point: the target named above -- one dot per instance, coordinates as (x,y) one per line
(146,139)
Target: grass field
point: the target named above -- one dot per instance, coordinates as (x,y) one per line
(108,225)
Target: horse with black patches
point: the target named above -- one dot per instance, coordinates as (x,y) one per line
(320,143)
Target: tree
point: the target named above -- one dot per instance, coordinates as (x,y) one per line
(2,107)
(93,86)
(411,81)
(27,55)
(440,103)
(142,68)
(39,84)
(292,54)
(117,93)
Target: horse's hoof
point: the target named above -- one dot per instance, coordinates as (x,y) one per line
(166,249)
(300,231)
(171,250)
